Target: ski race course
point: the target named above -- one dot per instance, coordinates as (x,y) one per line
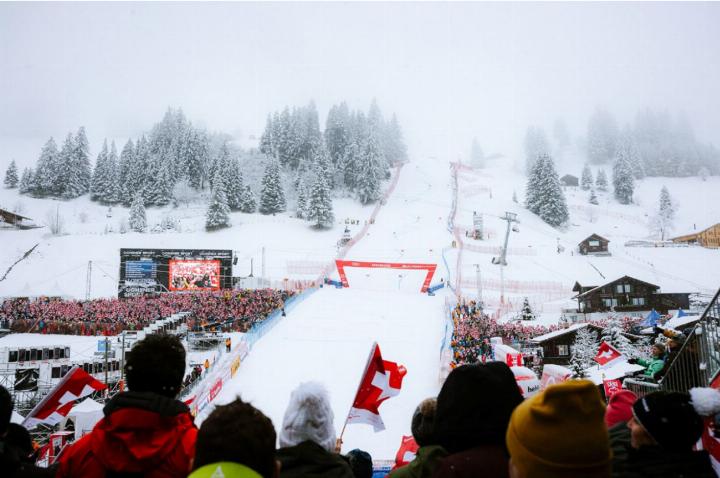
(328,337)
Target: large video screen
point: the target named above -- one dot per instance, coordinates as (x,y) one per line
(194,275)
(153,271)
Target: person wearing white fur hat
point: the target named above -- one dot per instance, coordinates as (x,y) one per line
(663,431)
(307,436)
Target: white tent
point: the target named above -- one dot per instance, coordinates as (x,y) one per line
(16,418)
(85,415)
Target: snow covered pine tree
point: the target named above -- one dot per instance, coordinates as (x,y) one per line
(11,176)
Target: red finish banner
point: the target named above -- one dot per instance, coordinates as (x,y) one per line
(430,268)
(194,275)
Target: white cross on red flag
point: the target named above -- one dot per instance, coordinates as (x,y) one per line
(381,380)
(607,354)
(76,384)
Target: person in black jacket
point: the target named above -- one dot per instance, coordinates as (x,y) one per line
(658,440)
(14,462)
(307,437)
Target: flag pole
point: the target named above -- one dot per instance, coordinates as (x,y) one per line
(347,417)
(45,399)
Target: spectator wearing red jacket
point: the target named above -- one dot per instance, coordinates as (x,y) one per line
(145,431)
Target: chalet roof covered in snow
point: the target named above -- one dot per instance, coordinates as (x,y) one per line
(626,277)
(558,333)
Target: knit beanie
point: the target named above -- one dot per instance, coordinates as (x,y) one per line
(670,419)
(308,417)
(423,422)
(619,408)
(474,406)
(560,432)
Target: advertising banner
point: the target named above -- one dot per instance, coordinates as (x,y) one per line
(194,275)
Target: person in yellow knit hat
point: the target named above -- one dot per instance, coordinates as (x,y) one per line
(560,433)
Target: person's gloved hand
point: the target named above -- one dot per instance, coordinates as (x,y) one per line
(658,330)
(632,360)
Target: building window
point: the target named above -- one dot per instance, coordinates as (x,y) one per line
(594,243)
(610,302)
(563,350)
(56,372)
(638,301)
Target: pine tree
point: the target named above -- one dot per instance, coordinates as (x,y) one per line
(11,176)
(301,209)
(82,161)
(266,140)
(601,181)
(369,174)
(112,194)
(527,313)
(544,195)
(47,169)
(159,185)
(536,145)
(126,160)
(248,203)
(137,172)
(218,212)
(320,208)
(630,147)
(26,181)
(613,334)
(234,184)
(138,221)
(395,148)
(623,182)
(100,174)
(584,350)
(65,167)
(337,132)
(593,197)
(586,181)
(662,221)
(272,196)
(477,157)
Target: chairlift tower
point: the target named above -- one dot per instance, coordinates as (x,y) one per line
(511,218)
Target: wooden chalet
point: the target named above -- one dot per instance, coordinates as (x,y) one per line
(628,294)
(20,222)
(709,237)
(569,180)
(594,244)
(557,346)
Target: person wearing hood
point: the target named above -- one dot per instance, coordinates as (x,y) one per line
(473,411)
(307,437)
(659,438)
(145,431)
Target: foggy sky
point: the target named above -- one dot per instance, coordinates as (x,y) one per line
(450,71)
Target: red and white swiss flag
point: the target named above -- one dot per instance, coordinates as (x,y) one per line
(76,384)
(381,380)
(607,354)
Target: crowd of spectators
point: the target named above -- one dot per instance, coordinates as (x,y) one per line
(234,310)
(478,425)
(472,330)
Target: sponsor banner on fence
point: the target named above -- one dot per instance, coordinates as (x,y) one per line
(215,389)
(234,366)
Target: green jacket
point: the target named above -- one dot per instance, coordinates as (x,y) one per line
(226,469)
(652,366)
(423,465)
